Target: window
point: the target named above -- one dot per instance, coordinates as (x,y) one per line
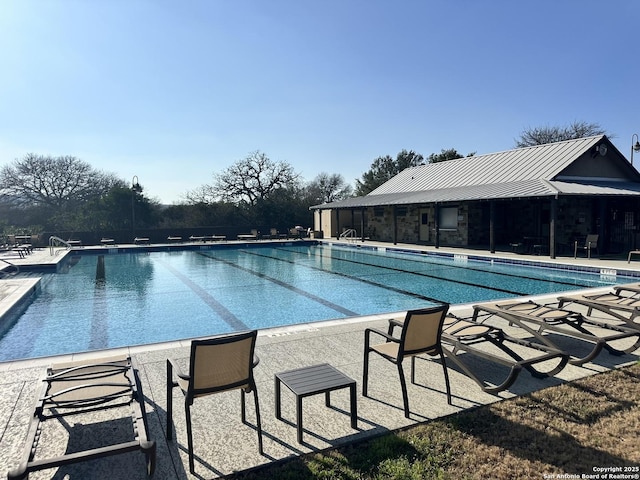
(449,218)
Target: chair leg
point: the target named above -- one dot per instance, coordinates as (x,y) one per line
(413,369)
(243,410)
(403,384)
(365,373)
(446,378)
(258,421)
(169,400)
(189,437)
(244,416)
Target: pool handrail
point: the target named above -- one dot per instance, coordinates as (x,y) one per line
(52,243)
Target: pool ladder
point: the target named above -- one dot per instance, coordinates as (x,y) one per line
(56,241)
(350,235)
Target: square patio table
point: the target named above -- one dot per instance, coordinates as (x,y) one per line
(307,381)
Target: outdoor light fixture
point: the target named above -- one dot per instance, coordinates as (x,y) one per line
(635,147)
(135,186)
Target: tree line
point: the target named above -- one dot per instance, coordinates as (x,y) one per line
(46,193)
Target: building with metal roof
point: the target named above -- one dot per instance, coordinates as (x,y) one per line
(547,196)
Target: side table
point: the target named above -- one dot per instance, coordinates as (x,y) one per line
(307,381)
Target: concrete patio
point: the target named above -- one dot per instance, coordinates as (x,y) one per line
(223,444)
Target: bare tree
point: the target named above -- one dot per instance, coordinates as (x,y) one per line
(547,134)
(327,188)
(252,179)
(53,181)
(202,195)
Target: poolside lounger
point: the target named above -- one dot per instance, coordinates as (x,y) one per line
(463,335)
(249,236)
(13,250)
(622,307)
(275,234)
(77,388)
(563,322)
(633,288)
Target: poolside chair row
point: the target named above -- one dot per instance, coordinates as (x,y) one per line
(435,332)
(20,249)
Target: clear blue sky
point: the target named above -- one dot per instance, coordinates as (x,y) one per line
(175,91)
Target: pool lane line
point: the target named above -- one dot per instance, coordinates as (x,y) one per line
(445,267)
(371,282)
(315,298)
(350,277)
(99,331)
(227,316)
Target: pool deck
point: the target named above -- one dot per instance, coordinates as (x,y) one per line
(223,445)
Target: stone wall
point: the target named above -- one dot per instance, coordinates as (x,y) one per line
(380,223)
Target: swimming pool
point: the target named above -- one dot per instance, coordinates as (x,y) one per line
(114,300)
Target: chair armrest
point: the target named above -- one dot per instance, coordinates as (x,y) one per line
(393,323)
(176,368)
(389,338)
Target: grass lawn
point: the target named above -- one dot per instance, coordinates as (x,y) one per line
(565,431)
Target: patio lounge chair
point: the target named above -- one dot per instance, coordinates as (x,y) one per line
(590,243)
(624,308)
(537,318)
(464,336)
(633,288)
(254,235)
(81,387)
(421,333)
(7,249)
(217,364)
(275,234)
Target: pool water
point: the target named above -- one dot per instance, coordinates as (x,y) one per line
(119,299)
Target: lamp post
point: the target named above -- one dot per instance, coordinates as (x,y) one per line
(635,147)
(135,188)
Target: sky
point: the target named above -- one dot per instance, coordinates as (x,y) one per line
(174,92)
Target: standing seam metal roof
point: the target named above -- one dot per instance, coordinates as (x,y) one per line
(520,173)
(531,163)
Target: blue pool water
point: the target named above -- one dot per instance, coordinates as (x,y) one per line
(160,296)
